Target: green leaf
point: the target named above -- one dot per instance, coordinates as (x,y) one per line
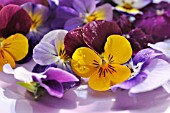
(32,86)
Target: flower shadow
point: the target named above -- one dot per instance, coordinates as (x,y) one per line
(25,102)
(157,100)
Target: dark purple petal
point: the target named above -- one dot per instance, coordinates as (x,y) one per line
(95,33)
(39,68)
(14,19)
(53,87)
(124,24)
(155,18)
(74,40)
(59,75)
(73,23)
(19,2)
(139,40)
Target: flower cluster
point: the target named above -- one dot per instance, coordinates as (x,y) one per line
(115,44)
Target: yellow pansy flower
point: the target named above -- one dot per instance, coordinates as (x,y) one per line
(13,48)
(104,70)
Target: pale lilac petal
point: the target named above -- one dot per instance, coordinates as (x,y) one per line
(59,75)
(64,66)
(106,9)
(59,39)
(158,74)
(84,6)
(8,69)
(138,4)
(73,23)
(164,47)
(166,86)
(45,54)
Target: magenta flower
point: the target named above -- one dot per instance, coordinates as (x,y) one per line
(79,13)
(53,80)
(155,21)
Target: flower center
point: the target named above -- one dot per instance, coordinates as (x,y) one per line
(160,12)
(127,6)
(63,56)
(34,25)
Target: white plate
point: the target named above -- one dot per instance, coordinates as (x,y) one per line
(15,99)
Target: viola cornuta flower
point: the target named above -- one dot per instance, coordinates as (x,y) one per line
(51,50)
(82,12)
(155,18)
(52,80)
(40,26)
(147,74)
(13,44)
(131,6)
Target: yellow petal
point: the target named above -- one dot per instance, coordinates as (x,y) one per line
(16,45)
(121,74)
(130,10)
(99,83)
(117,50)
(5,58)
(85,61)
(107,76)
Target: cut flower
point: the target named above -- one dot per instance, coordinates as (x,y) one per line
(104,70)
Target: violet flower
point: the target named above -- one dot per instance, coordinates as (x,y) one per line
(147,72)
(51,50)
(39,27)
(81,12)
(155,18)
(52,80)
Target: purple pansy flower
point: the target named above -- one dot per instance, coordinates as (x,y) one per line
(39,27)
(155,18)
(80,12)
(51,50)
(147,74)
(19,2)
(51,80)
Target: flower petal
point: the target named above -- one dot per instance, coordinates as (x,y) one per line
(158,74)
(85,61)
(164,47)
(14,19)
(59,75)
(54,88)
(73,23)
(45,54)
(104,12)
(117,49)
(138,4)
(96,33)
(5,58)
(73,40)
(84,6)
(16,45)
(114,75)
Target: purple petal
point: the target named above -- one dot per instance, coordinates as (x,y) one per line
(64,3)
(84,6)
(14,19)
(139,40)
(132,82)
(59,75)
(73,23)
(96,33)
(158,74)
(19,2)
(145,55)
(63,14)
(74,40)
